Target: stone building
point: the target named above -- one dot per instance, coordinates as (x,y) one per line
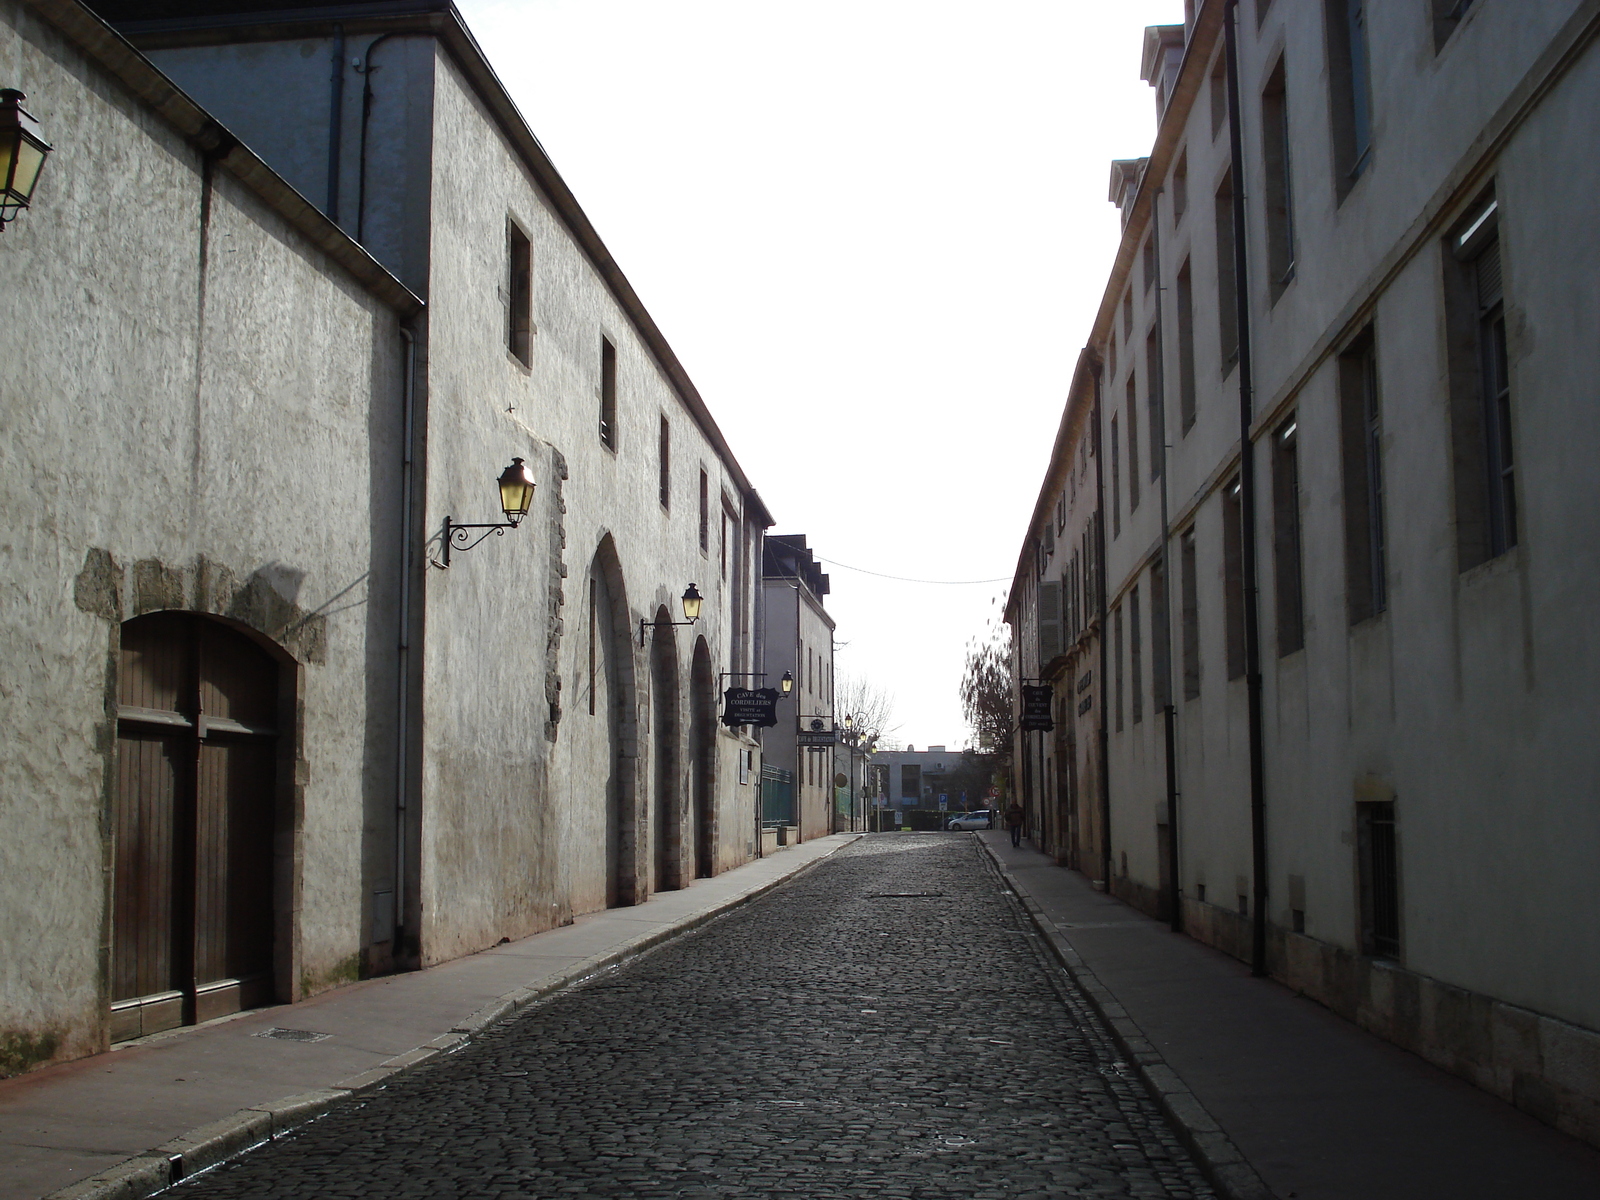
(798,639)
(266,728)
(1349,673)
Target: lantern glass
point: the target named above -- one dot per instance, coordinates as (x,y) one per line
(691,603)
(786,683)
(516,491)
(22,155)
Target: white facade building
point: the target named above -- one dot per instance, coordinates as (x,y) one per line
(1368,230)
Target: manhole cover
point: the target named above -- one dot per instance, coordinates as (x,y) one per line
(294,1035)
(907,895)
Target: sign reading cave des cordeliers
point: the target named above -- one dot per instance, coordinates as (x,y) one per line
(1036,703)
(750,706)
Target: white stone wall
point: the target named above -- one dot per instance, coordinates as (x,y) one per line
(199,412)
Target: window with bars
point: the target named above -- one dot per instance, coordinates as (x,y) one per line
(519,294)
(1233,576)
(608,394)
(1361,444)
(1377,849)
(1190,615)
(1286,566)
(1480,389)
(664,451)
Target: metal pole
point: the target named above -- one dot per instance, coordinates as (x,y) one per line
(1247,505)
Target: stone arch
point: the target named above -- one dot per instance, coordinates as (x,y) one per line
(202,825)
(703,760)
(666,793)
(610,752)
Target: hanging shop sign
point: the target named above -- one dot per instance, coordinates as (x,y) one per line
(1036,705)
(750,706)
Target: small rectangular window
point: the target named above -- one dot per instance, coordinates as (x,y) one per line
(1180,187)
(705,512)
(1279,200)
(1349,91)
(1286,537)
(1116,658)
(1149,257)
(1186,388)
(1154,405)
(608,394)
(1227,296)
(1233,576)
(1377,851)
(519,293)
(1116,482)
(1480,388)
(665,451)
(1361,447)
(1132,413)
(1160,633)
(722,544)
(1447,14)
(1135,656)
(1190,616)
(1127,315)
(1219,95)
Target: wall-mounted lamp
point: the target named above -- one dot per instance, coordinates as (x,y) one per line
(516,497)
(786,684)
(691,612)
(22,155)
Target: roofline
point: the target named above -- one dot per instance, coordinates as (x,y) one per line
(117,56)
(441,19)
(1191,72)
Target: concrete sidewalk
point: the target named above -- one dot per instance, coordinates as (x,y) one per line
(1313,1107)
(109,1126)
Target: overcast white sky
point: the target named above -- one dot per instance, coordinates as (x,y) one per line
(875,232)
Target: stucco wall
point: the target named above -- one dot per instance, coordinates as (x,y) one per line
(199,412)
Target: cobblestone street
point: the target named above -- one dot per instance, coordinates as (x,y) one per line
(885,1025)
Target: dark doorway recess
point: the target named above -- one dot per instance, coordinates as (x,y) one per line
(194,817)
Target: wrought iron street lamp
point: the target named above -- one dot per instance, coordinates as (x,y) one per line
(691,611)
(22,155)
(516,497)
(786,684)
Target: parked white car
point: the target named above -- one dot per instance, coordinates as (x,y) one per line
(982,819)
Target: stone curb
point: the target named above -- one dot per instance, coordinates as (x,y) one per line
(205,1147)
(1229,1171)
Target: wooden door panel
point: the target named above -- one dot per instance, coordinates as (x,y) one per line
(147,952)
(234,828)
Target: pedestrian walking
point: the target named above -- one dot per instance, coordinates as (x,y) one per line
(1014,819)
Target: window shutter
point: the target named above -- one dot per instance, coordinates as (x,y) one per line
(1049,621)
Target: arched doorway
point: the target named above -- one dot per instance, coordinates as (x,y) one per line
(703,760)
(604,703)
(194,819)
(666,835)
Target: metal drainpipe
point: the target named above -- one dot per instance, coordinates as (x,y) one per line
(756,573)
(1247,505)
(335,123)
(361,146)
(403,707)
(1100,587)
(1169,576)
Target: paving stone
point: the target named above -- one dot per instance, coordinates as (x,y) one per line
(825,1041)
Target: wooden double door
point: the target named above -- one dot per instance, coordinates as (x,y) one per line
(194,822)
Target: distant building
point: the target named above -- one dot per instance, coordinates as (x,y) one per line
(797,636)
(1330,701)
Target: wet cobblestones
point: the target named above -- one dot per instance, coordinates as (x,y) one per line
(885,1025)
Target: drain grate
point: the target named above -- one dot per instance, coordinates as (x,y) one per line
(293,1035)
(906,895)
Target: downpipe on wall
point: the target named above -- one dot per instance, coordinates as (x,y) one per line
(1247,505)
(403,705)
(1100,588)
(1169,710)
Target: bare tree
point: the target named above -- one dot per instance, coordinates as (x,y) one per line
(986,693)
(870,708)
